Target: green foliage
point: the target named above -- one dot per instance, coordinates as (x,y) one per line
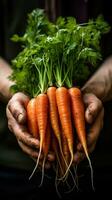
(63,53)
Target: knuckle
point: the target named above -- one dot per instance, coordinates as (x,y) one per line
(33,154)
(10,127)
(13,108)
(9,105)
(100,105)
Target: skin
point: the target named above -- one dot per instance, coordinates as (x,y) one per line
(100,84)
(96,91)
(94,115)
(5,83)
(16,114)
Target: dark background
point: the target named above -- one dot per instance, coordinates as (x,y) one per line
(13,20)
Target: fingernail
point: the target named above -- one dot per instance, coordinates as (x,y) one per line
(20,118)
(89,116)
(50,157)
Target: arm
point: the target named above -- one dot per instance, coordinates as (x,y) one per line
(16,113)
(100,83)
(5,83)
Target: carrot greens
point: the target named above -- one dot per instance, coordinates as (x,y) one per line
(60,53)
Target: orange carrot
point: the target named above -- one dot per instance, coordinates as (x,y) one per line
(31,118)
(57,130)
(42,117)
(78,115)
(78,112)
(54,115)
(64,167)
(45,148)
(55,149)
(63,103)
(66,152)
(47,141)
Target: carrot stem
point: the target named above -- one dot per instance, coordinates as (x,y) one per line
(62,98)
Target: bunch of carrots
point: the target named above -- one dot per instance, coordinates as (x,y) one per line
(52,118)
(55,59)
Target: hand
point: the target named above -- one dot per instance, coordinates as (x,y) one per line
(94,117)
(16,114)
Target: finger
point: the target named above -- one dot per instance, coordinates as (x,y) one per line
(23,136)
(93,107)
(51,156)
(93,134)
(80,147)
(17,106)
(18,111)
(20,131)
(95,130)
(29,151)
(78,157)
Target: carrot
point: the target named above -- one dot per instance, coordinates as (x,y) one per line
(63,103)
(78,115)
(67,158)
(61,164)
(46,147)
(47,141)
(59,158)
(65,152)
(78,112)
(42,117)
(31,118)
(55,122)
(54,117)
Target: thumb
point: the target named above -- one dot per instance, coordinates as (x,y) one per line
(21,118)
(17,106)
(93,107)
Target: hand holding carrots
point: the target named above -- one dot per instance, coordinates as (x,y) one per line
(16,114)
(94,117)
(20,108)
(57,119)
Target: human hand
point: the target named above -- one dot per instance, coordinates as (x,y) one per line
(94,114)
(17,118)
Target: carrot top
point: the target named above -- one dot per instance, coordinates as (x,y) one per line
(58,54)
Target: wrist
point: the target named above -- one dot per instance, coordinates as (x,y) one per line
(100,84)
(5,83)
(5,93)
